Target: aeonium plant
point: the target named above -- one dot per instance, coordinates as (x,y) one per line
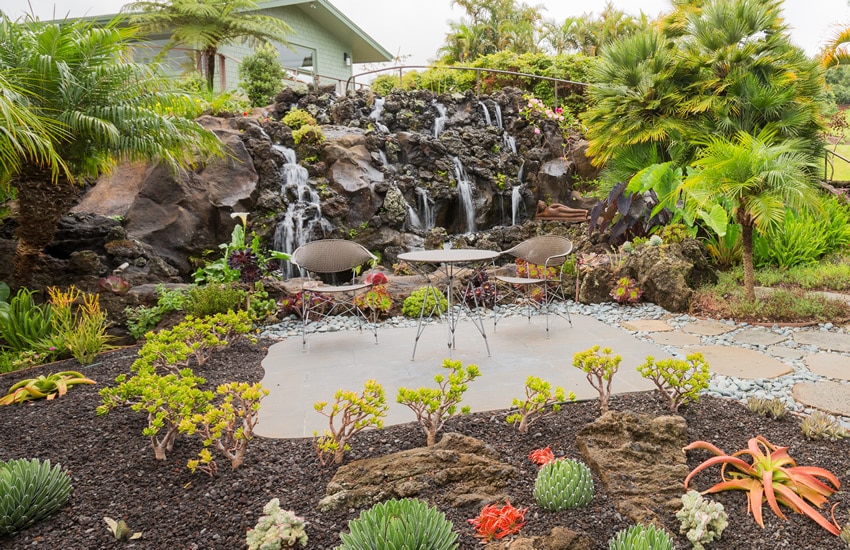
(772,475)
(626,291)
(242,261)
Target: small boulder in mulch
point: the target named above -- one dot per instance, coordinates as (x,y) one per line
(468,469)
(559,539)
(640,461)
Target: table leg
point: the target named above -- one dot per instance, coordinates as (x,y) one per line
(451,320)
(452,317)
(476,318)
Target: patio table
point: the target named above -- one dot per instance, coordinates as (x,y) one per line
(447,262)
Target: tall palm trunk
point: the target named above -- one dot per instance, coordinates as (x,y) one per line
(747,256)
(41,203)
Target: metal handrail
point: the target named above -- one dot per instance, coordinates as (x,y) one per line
(478,70)
(828,168)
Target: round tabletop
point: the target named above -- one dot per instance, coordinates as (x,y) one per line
(448,256)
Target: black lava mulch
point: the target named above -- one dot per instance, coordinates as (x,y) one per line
(115,474)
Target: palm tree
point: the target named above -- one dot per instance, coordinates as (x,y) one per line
(835,52)
(25,136)
(518,37)
(463,43)
(636,103)
(721,67)
(557,35)
(759,177)
(492,26)
(206,25)
(749,76)
(96,108)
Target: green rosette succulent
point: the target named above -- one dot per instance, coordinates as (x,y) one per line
(30,490)
(563,484)
(406,524)
(641,537)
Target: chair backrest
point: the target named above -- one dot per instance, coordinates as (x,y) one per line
(547,250)
(331,256)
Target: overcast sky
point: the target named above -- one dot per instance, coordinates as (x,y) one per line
(415,29)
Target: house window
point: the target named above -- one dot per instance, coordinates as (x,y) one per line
(303,59)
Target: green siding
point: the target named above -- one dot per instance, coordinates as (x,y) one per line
(329,60)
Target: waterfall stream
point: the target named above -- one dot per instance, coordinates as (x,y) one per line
(464,191)
(303,220)
(426,206)
(439,121)
(516,200)
(487,120)
(375,115)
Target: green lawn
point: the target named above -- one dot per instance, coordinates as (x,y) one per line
(842,169)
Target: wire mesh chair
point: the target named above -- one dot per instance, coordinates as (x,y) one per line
(544,257)
(322,300)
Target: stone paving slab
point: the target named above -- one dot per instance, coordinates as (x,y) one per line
(785,352)
(741,363)
(824,340)
(758,337)
(825,395)
(297,379)
(646,325)
(708,327)
(830,365)
(676,338)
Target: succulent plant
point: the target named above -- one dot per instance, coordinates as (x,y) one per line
(407,524)
(641,537)
(120,530)
(277,529)
(49,387)
(30,490)
(435,302)
(563,484)
(820,425)
(113,283)
(702,520)
(673,233)
(770,408)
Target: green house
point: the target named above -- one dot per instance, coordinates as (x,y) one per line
(323,50)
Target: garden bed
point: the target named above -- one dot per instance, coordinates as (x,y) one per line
(114,472)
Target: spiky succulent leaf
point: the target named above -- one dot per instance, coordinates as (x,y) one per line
(641,537)
(407,524)
(563,484)
(30,490)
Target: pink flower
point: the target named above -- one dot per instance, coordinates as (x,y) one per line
(559,110)
(536,131)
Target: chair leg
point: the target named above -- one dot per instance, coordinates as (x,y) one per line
(372,324)
(304,318)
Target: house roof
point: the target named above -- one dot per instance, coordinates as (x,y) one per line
(364,48)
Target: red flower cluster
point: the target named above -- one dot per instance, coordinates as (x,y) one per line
(541,457)
(495,523)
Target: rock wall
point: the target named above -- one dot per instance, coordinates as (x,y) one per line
(410,170)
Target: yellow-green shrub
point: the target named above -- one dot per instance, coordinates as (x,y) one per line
(680,381)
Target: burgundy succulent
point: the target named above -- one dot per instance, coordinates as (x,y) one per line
(241,258)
